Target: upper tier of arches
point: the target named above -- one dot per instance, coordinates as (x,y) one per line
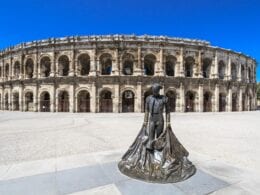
(146,57)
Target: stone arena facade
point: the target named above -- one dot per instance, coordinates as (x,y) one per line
(113,73)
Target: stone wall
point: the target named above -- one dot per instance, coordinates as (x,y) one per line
(114,73)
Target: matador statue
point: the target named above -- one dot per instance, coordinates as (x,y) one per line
(156,155)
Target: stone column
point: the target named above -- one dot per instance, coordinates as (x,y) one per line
(98,70)
(10,98)
(21,76)
(3,70)
(93,99)
(228,71)
(138,97)
(71,97)
(199,68)
(240,103)
(181,99)
(53,99)
(56,99)
(38,100)
(93,60)
(53,63)
(1,98)
(21,96)
(181,64)
(229,103)
(115,64)
(239,72)
(200,93)
(247,76)
(35,98)
(116,98)
(120,65)
(138,69)
(160,66)
(39,74)
(71,65)
(216,108)
(36,68)
(12,69)
(24,70)
(1,74)
(215,72)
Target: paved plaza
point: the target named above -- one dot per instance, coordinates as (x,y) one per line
(77,153)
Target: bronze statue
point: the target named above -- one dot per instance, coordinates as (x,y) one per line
(156,154)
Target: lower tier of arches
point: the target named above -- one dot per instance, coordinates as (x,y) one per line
(124,98)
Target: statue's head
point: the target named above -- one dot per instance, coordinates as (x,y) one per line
(156,89)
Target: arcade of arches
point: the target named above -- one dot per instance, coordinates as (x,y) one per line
(127,99)
(113,74)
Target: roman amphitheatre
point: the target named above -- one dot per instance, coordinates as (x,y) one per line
(113,73)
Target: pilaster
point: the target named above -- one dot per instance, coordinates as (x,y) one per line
(216,108)
(229,105)
(93,99)
(181,64)
(181,99)
(138,69)
(93,60)
(200,93)
(116,98)
(138,97)
(199,65)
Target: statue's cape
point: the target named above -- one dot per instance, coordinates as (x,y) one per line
(165,162)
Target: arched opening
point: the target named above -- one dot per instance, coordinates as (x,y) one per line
(16,69)
(171,100)
(45,102)
(6,101)
(84,64)
(106,64)
(207,102)
(63,65)
(1,72)
(128,101)
(234,102)
(190,102)
(222,102)
(188,66)
(45,65)
(170,65)
(128,64)
(106,103)
(243,73)
(6,71)
(16,101)
(29,68)
(0,102)
(146,94)
(233,71)
(29,101)
(221,70)
(243,102)
(206,67)
(149,64)
(63,102)
(83,101)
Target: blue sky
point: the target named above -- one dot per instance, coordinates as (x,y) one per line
(232,24)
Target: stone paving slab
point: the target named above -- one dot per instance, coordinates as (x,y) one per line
(105,178)
(76,153)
